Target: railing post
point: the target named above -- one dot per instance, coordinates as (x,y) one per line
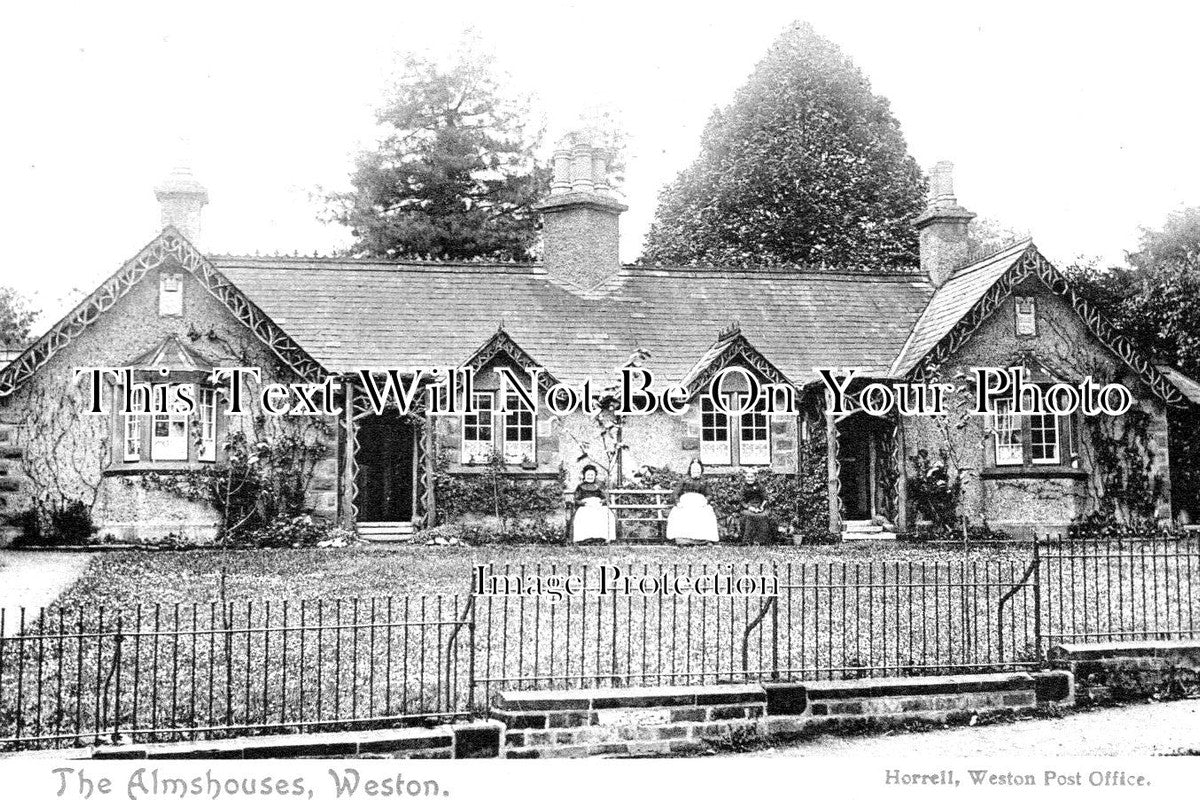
(471,655)
(1037,598)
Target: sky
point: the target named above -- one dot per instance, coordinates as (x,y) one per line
(1073,122)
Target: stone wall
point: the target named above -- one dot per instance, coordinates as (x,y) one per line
(1125,671)
(53,453)
(628,722)
(1028,501)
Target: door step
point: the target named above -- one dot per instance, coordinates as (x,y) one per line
(865,530)
(386,531)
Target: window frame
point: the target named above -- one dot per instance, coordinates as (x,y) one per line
(500,427)
(206,448)
(522,420)
(157,450)
(1022,430)
(483,448)
(738,452)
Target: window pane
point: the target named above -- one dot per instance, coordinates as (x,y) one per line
(208,425)
(714,433)
(1007,427)
(755,435)
(1043,439)
(518,430)
(133,438)
(477,429)
(169,442)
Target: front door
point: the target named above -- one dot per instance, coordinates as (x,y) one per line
(856,453)
(386,469)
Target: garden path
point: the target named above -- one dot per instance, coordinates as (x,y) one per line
(34,579)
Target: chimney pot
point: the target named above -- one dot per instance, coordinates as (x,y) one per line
(580,218)
(942,227)
(181,198)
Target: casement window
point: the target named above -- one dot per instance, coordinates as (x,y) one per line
(477,433)
(739,439)
(207,446)
(169,437)
(1026,439)
(714,434)
(520,440)
(170,295)
(131,439)
(512,433)
(754,435)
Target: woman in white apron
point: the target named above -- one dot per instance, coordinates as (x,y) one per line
(593,521)
(692,519)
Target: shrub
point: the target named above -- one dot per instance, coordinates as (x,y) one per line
(513,498)
(55,525)
(933,493)
(489,531)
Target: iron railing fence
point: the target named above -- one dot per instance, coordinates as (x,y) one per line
(1112,590)
(79,675)
(834,619)
(75,675)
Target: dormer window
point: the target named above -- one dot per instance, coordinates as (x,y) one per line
(1026,316)
(170,295)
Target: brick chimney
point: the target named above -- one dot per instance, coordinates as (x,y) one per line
(180,198)
(580,218)
(943,227)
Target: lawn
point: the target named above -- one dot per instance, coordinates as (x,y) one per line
(367,634)
(126,578)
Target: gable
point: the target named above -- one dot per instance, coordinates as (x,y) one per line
(732,348)
(963,304)
(169,249)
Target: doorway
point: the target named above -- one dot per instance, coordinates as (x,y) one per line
(386,463)
(858,466)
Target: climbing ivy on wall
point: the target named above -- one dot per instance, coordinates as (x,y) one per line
(1126,493)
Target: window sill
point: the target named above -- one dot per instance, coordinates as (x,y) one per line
(157,467)
(515,470)
(1032,471)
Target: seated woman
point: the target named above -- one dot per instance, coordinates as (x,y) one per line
(758,526)
(592,520)
(692,519)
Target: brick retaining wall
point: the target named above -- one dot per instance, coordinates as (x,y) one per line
(622,722)
(1130,670)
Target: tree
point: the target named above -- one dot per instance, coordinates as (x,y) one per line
(806,167)
(1155,299)
(16,318)
(455,176)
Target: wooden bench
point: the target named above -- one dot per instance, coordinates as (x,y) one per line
(641,510)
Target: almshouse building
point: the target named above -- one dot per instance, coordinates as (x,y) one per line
(173,313)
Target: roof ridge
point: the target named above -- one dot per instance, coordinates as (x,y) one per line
(992,257)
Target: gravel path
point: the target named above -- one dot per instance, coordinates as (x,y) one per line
(1141,730)
(33,579)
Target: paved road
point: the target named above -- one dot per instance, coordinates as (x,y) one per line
(1141,730)
(33,579)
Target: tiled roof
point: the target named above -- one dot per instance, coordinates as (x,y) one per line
(952,301)
(351,314)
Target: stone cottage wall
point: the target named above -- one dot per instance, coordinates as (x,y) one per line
(54,453)
(1045,503)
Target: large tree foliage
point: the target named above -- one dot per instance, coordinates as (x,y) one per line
(16,318)
(1155,298)
(1155,301)
(806,167)
(454,177)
